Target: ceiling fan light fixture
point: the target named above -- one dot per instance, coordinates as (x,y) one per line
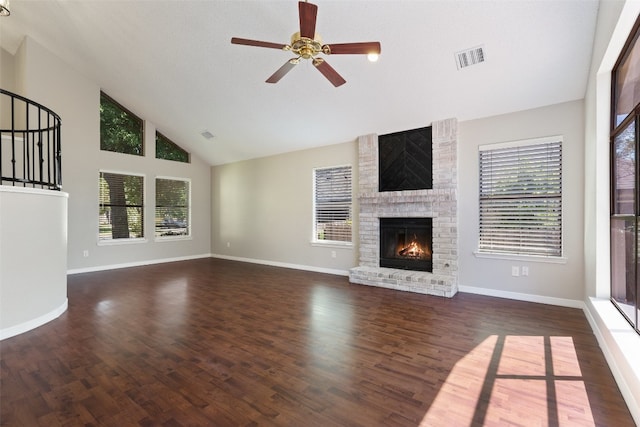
(307,44)
(5,8)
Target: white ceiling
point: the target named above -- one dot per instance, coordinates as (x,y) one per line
(172,63)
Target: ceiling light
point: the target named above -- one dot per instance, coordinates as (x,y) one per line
(373,57)
(4,8)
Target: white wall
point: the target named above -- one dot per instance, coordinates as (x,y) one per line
(33,258)
(264,209)
(563,281)
(48,80)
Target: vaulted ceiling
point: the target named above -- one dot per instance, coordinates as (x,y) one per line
(172,63)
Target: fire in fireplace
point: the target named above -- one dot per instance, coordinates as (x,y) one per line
(405,243)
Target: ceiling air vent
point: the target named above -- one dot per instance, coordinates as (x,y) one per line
(206,134)
(466,58)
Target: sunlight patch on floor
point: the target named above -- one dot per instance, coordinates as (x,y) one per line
(511,380)
(456,402)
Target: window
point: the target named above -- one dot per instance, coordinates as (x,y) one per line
(120,130)
(332,204)
(626,80)
(625,209)
(173,200)
(521,198)
(121,206)
(169,150)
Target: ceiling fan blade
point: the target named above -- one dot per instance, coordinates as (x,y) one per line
(328,71)
(288,66)
(363,48)
(308,13)
(258,43)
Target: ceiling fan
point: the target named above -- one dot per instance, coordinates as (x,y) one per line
(308,45)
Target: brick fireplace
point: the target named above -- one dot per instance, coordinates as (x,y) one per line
(439,204)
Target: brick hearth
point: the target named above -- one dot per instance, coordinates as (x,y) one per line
(440,203)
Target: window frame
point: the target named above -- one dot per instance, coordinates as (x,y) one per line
(315,241)
(630,312)
(135,116)
(130,240)
(160,135)
(517,254)
(189,235)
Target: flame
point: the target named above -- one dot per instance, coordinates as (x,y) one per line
(414,250)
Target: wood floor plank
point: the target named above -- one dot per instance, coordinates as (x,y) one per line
(220,343)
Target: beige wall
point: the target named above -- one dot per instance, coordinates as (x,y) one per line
(7,82)
(7,71)
(555,280)
(51,82)
(263,209)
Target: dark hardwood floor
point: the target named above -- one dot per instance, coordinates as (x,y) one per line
(220,343)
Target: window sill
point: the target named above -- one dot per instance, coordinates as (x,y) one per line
(172,238)
(529,258)
(332,244)
(115,242)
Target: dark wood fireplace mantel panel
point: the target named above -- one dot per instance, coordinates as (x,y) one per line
(405,160)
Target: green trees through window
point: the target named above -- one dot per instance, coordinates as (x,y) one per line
(169,150)
(120,130)
(121,210)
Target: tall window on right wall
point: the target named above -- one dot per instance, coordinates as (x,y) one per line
(625,209)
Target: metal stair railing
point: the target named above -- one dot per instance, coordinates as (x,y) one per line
(30,146)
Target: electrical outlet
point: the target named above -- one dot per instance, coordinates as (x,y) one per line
(515,271)
(333,254)
(85,253)
(228,244)
(525,270)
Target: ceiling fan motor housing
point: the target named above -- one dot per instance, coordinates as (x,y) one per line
(306,47)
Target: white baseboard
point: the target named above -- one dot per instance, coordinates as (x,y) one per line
(284,265)
(563,302)
(231,258)
(34,323)
(134,264)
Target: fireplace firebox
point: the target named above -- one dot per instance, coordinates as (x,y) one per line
(405,243)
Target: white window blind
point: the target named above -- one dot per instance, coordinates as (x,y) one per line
(332,204)
(521,199)
(173,203)
(121,206)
